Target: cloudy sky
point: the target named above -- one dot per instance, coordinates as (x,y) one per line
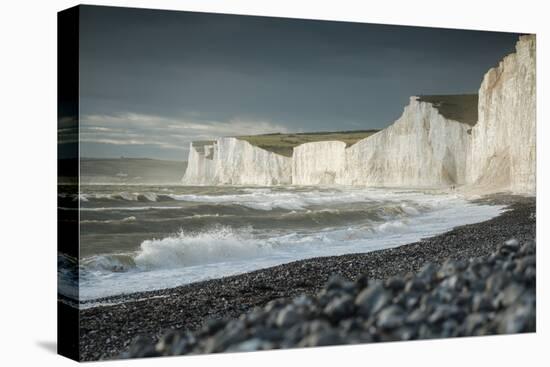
(152,81)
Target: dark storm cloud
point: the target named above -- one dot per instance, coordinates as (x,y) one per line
(151,81)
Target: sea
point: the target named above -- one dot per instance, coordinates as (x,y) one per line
(136,238)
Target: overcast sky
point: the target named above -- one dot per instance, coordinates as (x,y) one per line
(152,81)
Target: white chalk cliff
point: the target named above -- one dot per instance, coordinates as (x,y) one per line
(503,149)
(421,149)
(318,163)
(230,161)
(200,165)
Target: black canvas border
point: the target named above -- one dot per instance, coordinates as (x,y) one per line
(68,24)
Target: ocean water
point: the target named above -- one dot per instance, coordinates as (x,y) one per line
(140,238)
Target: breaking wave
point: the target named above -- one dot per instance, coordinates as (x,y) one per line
(264,199)
(121,196)
(227,231)
(219,244)
(123,220)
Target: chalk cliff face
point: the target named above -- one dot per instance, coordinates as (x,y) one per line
(318,163)
(200,165)
(421,149)
(502,155)
(236,162)
(240,163)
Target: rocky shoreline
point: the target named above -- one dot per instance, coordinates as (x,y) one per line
(325,312)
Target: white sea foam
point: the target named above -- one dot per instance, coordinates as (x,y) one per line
(151,196)
(220,244)
(125,208)
(124,195)
(113,263)
(267,199)
(392,226)
(220,251)
(216,215)
(81,197)
(107,221)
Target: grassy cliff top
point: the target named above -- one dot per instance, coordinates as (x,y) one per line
(458,107)
(284,143)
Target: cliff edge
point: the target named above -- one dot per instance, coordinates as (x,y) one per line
(503,150)
(230,161)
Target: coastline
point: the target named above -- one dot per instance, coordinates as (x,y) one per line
(107,331)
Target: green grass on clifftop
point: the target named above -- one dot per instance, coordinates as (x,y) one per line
(458,107)
(284,143)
